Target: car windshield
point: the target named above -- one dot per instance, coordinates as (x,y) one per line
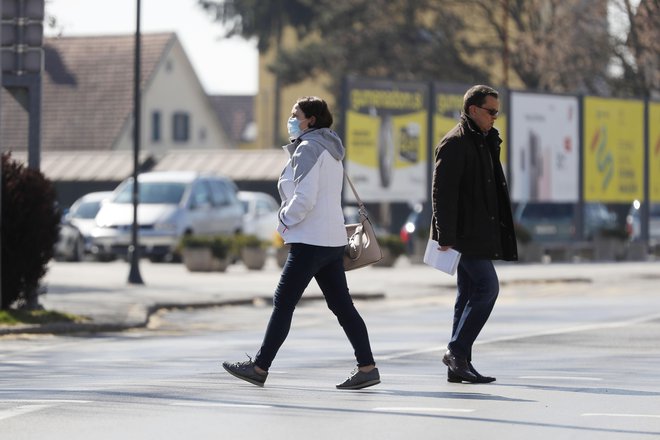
(87,210)
(153,192)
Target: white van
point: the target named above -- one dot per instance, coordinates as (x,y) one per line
(171,204)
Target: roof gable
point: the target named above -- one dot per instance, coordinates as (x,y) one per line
(87,91)
(234,112)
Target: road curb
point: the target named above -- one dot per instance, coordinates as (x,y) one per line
(90,327)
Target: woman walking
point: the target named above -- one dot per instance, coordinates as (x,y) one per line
(311,221)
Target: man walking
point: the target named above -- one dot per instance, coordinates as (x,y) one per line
(472,214)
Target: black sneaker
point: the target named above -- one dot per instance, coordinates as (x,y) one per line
(358,380)
(245,370)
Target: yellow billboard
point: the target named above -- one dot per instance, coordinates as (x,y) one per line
(448,107)
(654,152)
(613,150)
(387,140)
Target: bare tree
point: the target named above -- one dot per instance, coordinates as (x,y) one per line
(552,45)
(636,46)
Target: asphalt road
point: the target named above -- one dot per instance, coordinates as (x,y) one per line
(573,360)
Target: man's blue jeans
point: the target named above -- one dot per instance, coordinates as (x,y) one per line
(478,288)
(326,265)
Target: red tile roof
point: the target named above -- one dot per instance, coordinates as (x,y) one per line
(234,112)
(87,91)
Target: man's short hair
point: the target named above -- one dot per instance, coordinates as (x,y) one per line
(476,95)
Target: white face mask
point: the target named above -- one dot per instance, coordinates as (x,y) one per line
(293,126)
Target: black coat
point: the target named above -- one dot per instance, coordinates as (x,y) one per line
(471,206)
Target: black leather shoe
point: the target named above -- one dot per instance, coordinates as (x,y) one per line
(451,377)
(459,367)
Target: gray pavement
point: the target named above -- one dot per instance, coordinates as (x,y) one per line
(100,291)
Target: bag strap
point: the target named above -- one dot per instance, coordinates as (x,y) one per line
(357,197)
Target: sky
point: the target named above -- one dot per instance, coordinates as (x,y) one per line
(224,66)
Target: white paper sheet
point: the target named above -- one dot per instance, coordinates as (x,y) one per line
(445,261)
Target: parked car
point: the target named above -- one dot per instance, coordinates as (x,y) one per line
(634,222)
(259,214)
(556,221)
(75,240)
(418,224)
(171,204)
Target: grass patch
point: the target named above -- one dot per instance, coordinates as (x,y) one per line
(16,317)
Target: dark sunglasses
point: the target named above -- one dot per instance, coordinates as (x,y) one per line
(490,111)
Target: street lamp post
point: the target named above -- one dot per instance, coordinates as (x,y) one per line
(134,276)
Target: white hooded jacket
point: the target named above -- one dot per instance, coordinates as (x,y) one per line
(310,188)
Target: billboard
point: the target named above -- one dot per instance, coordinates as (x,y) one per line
(386,140)
(613,149)
(654,152)
(448,108)
(544,148)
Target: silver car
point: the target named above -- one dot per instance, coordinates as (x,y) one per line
(75,240)
(260,216)
(171,205)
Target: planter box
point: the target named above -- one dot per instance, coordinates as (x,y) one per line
(202,260)
(608,249)
(418,249)
(254,258)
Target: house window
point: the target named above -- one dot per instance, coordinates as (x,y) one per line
(155,126)
(181,127)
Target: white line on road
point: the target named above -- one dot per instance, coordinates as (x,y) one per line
(588,379)
(652,416)
(421,409)
(219,405)
(31,407)
(45,401)
(20,410)
(559,331)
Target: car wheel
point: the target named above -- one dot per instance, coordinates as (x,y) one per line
(78,251)
(105,258)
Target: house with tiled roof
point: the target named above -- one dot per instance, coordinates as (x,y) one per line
(87,98)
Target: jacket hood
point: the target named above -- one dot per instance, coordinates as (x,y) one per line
(325,137)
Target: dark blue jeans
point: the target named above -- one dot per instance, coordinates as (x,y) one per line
(478,288)
(326,265)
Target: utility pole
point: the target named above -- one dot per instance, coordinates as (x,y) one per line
(505,38)
(134,276)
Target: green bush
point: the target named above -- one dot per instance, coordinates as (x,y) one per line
(221,246)
(30,229)
(393,243)
(249,241)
